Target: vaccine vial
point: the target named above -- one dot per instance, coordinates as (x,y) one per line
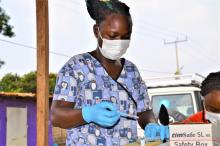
(142,141)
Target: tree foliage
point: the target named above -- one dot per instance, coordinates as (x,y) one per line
(5,27)
(10,83)
(26,83)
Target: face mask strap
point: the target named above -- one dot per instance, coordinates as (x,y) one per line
(203,110)
(100,37)
(100,33)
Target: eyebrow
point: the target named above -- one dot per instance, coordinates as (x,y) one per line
(115,30)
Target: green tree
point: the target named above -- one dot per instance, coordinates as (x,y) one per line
(26,83)
(10,83)
(52,82)
(5,27)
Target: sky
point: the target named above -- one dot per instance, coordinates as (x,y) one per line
(155,21)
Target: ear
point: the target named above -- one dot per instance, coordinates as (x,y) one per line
(95,30)
(96,33)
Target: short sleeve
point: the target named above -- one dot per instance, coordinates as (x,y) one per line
(143,101)
(65,88)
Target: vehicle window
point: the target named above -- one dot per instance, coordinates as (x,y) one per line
(179,106)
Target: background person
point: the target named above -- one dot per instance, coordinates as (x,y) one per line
(210,90)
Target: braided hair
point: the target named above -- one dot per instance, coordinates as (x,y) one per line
(212,82)
(100,9)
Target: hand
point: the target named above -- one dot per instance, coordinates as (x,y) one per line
(150,131)
(153,130)
(105,114)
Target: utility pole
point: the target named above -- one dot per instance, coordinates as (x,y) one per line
(177,54)
(42,72)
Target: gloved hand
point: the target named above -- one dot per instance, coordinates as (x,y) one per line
(153,131)
(105,114)
(164,132)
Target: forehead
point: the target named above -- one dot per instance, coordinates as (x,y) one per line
(117,22)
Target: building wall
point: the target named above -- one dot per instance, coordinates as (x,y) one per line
(59,136)
(31,119)
(2,123)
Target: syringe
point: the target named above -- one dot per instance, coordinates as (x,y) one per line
(128,116)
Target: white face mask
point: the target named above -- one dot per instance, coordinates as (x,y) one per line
(113,49)
(212,117)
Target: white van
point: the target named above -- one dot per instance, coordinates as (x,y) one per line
(180,94)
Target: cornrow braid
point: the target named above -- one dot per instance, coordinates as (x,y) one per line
(212,82)
(100,9)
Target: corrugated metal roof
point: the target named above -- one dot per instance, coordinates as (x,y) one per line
(16,94)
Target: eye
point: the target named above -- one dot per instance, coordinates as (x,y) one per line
(117,36)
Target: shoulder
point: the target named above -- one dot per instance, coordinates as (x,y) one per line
(78,58)
(131,68)
(196,118)
(130,64)
(74,63)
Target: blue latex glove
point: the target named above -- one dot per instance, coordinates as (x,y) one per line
(105,114)
(164,132)
(153,131)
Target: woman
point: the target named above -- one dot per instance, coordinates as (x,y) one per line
(94,89)
(210,90)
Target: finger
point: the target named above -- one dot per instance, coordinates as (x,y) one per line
(154,129)
(162,132)
(146,133)
(110,114)
(113,119)
(167,132)
(108,121)
(150,131)
(103,122)
(108,105)
(153,132)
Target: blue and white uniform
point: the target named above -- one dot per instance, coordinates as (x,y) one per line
(84,80)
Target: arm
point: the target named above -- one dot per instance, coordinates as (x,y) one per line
(145,118)
(64,116)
